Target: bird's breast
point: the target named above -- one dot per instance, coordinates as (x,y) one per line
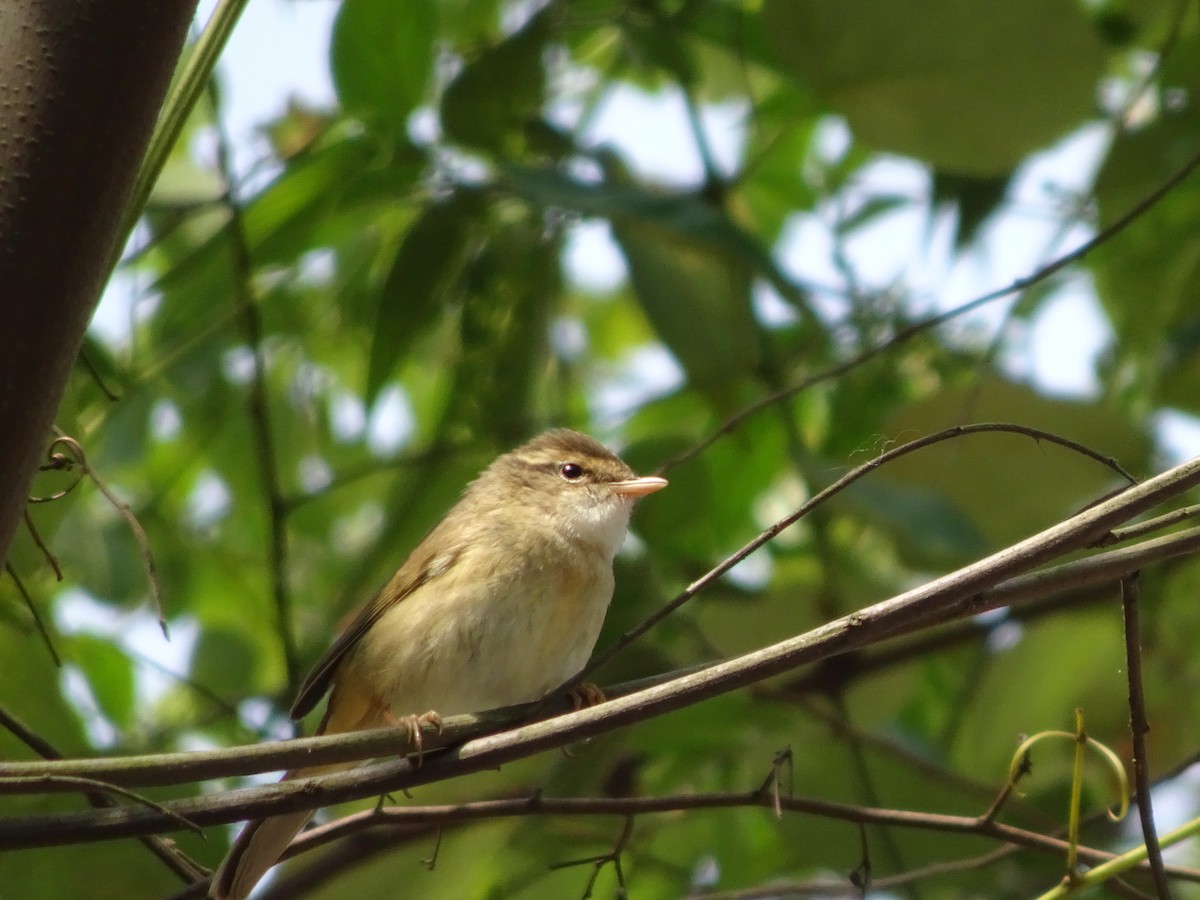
(492,631)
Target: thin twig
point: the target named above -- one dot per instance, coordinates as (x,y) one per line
(163,848)
(227,707)
(771,785)
(1166,520)
(817,500)
(1024,767)
(93,786)
(97,378)
(27,736)
(259,407)
(60,462)
(41,545)
(905,334)
(827,887)
(76,457)
(865,784)
(180,768)
(712,172)
(33,611)
(538,804)
(1138,726)
(919,763)
(1159,59)
(612,857)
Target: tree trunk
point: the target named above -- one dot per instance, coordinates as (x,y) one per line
(81,82)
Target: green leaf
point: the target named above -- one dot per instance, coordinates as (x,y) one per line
(697,301)
(499,90)
(109,673)
(966,85)
(872,209)
(31,691)
(975,198)
(279,226)
(427,262)
(464,21)
(775,186)
(1146,278)
(983,474)
(691,266)
(512,286)
(1060,663)
(931,531)
(382,54)
(223,661)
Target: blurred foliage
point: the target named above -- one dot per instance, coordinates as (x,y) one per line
(412,312)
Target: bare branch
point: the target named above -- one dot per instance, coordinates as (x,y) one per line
(430,817)
(183,767)
(820,498)
(1138,726)
(75,457)
(163,848)
(38,622)
(1166,520)
(179,768)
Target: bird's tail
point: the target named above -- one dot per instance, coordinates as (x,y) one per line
(260,845)
(262,842)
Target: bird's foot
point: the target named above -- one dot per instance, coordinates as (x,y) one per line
(584,695)
(413,725)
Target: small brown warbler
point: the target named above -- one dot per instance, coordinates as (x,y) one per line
(499,604)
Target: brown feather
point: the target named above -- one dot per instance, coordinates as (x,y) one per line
(416,571)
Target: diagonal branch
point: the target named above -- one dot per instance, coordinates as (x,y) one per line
(1138,726)
(821,497)
(164,848)
(179,768)
(954,594)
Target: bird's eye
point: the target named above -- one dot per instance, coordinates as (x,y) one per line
(571,471)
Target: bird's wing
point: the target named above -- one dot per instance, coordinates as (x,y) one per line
(424,565)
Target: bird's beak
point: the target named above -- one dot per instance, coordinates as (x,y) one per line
(639,487)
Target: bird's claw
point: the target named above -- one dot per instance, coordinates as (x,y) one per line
(413,726)
(584,695)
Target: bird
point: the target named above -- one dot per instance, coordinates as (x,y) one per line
(500,603)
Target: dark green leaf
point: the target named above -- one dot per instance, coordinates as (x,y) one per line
(967,86)
(499,90)
(980,474)
(931,531)
(382,55)
(692,269)
(512,287)
(1147,279)
(975,198)
(419,283)
(109,673)
(223,662)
